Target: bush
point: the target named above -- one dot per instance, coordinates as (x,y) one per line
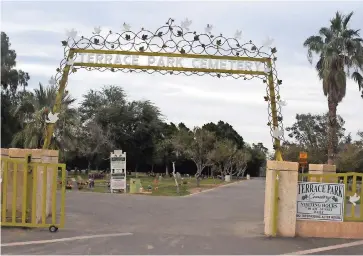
(96,176)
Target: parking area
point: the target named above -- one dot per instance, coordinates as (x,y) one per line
(226,220)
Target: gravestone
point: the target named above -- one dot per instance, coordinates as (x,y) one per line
(178,176)
(227,178)
(74,183)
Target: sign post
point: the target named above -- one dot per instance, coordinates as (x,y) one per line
(320,201)
(118,171)
(303,161)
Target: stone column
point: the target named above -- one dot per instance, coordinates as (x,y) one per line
(322,169)
(50,156)
(287,195)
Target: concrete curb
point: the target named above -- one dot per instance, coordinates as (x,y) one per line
(208,190)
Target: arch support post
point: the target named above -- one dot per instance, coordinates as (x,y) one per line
(275,121)
(58,102)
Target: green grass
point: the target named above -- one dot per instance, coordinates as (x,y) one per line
(166,187)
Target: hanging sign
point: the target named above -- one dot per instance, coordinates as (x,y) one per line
(162,61)
(320,201)
(118,170)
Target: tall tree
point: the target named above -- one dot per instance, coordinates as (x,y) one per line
(350,156)
(258,154)
(225,131)
(222,155)
(133,126)
(94,142)
(309,133)
(195,145)
(228,159)
(10,77)
(163,151)
(33,112)
(340,53)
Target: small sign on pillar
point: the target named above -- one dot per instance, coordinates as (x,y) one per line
(303,158)
(118,171)
(303,161)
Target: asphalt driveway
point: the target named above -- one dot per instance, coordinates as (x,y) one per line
(227,220)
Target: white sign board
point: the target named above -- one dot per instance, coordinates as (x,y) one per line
(320,201)
(118,170)
(118,184)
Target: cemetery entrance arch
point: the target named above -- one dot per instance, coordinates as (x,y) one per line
(172,49)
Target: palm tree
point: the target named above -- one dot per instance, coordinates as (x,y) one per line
(340,53)
(33,112)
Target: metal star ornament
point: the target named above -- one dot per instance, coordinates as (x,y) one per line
(97,30)
(186,24)
(282,103)
(238,34)
(71,33)
(267,42)
(208,29)
(52,81)
(126,27)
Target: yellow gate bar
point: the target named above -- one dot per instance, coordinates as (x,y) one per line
(354,190)
(44,195)
(25,191)
(181,69)
(172,55)
(5,190)
(54,197)
(63,195)
(14,190)
(34,194)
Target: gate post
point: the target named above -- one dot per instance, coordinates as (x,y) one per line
(280,198)
(323,169)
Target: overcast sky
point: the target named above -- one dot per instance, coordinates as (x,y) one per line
(36,29)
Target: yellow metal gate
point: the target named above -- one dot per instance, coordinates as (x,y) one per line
(353,181)
(31,195)
(353,201)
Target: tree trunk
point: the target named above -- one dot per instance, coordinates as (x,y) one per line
(198,181)
(136,168)
(199,172)
(175,179)
(332,130)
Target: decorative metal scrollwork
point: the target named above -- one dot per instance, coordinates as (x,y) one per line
(172,38)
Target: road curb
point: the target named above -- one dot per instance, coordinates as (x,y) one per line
(208,190)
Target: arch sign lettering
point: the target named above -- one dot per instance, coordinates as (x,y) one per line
(172,49)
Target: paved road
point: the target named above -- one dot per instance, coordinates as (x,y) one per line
(227,220)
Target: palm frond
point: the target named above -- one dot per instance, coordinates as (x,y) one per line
(347,19)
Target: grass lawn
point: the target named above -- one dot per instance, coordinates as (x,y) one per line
(166,186)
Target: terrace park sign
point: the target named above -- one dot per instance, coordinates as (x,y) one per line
(172,49)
